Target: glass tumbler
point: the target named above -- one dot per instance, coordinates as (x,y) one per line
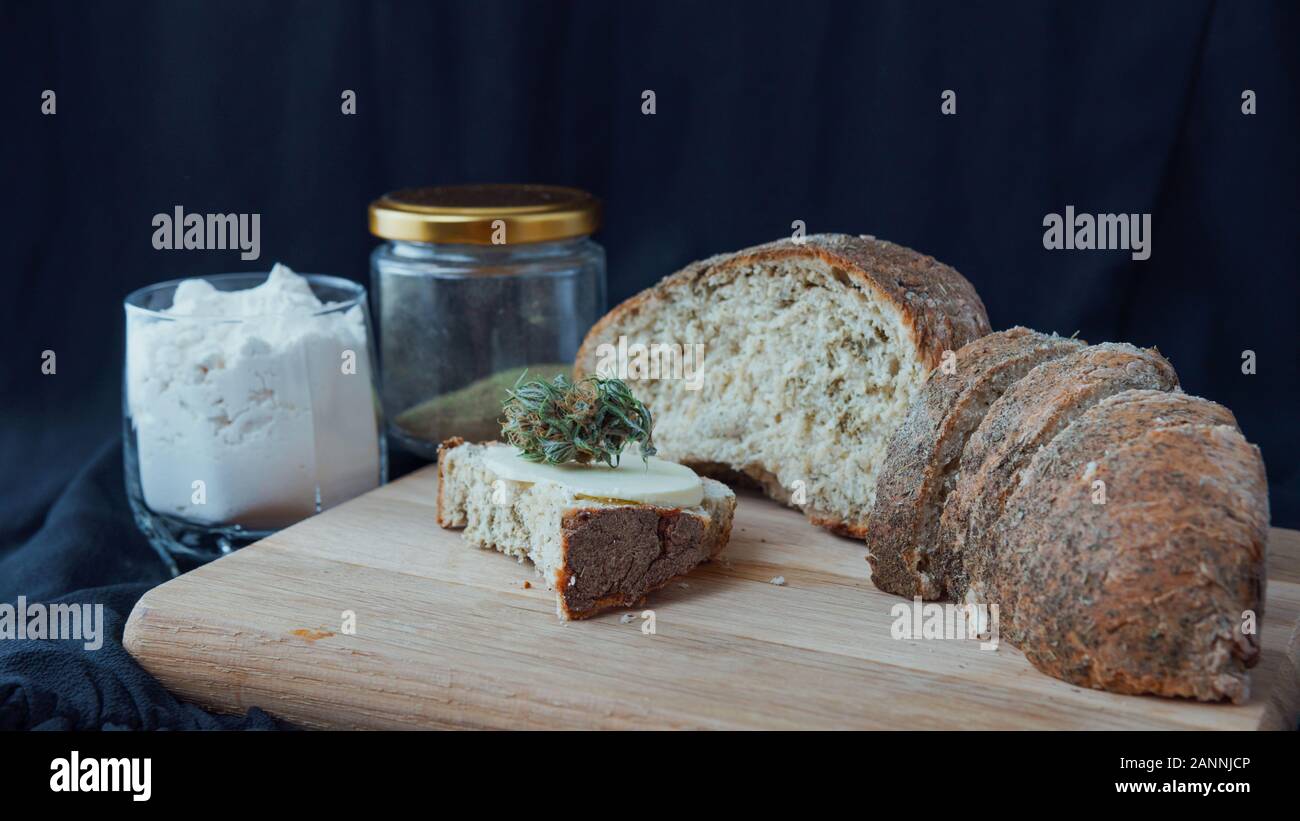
(235,427)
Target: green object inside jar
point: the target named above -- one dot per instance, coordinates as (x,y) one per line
(474,411)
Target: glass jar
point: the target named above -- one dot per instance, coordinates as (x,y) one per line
(245,414)
(474,286)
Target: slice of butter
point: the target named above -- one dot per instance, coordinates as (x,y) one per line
(653,482)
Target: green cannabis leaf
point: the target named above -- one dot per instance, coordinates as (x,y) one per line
(562,421)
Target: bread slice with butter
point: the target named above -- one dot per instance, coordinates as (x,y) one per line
(600,537)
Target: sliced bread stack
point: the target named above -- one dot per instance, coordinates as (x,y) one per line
(1117,524)
(924,453)
(1025,418)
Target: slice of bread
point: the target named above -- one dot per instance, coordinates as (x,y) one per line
(1024,419)
(1152,591)
(594,554)
(813,353)
(907,557)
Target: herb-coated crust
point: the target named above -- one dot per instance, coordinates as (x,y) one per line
(1024,419)
(907,557)
(1062,469)
(1149,592)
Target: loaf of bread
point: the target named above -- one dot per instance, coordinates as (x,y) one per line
(1160,588)
(1025,418)
(1117,525)
(813,353)
(906,554)
(594,554)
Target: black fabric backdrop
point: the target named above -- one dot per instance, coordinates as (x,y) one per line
(766,113)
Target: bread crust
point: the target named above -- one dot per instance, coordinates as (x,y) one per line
(1027,519)
(940,309)
(1024,419)
(1148,592)
(907,557)
(440,507)
(656,545)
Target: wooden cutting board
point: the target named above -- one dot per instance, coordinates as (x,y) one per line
(447,635)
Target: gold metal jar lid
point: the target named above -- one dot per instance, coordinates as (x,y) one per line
(467,213)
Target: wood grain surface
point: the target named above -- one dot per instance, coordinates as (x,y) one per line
(447,635)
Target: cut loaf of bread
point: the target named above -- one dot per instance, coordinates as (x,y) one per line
(1024,419)
(593,553)
(813,353)
(906,554)
(1157,589)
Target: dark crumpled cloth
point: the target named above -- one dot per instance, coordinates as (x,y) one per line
(89,544)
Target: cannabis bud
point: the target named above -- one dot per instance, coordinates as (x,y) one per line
(562,421)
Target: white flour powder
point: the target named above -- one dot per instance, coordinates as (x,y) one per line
(248,392)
